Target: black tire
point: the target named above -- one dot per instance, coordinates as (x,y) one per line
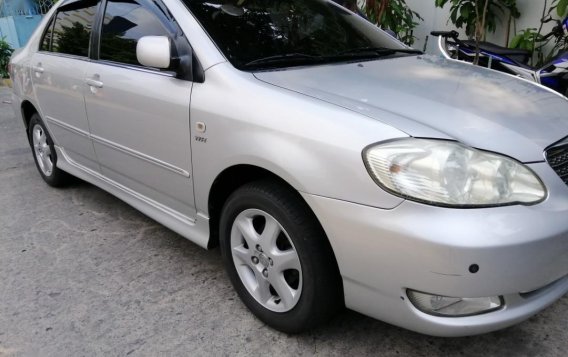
(56,177)
(322,291)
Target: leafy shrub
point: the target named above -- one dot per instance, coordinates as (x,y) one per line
(544,47)
(5,53)
(394,15)
(479,16)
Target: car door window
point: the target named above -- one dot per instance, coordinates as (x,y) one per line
(125,22)
(45,44)
(72,30)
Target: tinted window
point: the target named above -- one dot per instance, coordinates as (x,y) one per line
(124,23)
(72,31)
(253,29)
(46,40)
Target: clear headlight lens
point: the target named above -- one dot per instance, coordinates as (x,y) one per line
(451,174)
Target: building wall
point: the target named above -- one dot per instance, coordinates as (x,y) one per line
(437,19)
(26,26)
(17,29)
(8,31)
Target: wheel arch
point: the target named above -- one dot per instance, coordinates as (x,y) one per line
(225,184)
(27,109)
(260,185)
(231,179)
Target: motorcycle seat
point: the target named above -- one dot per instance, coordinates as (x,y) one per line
(516,53)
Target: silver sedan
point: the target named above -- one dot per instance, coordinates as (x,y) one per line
(333,165)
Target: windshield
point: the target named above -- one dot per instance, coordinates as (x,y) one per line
(256,34)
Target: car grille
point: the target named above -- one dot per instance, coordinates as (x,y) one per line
(557,158)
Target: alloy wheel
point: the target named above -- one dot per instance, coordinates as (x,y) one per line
(266,260)
(42,150)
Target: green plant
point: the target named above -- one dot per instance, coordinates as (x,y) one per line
(5,53)
(530,39)
(394,15)
(527,39)
(479,16)
(533,40)
(561,7)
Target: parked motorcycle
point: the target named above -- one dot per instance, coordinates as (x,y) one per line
(554,74)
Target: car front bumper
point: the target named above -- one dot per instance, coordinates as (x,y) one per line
(521,251)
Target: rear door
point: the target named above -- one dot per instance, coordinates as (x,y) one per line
(58,78)
(139,116)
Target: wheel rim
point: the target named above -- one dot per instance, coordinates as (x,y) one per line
(42,151)
(266,260)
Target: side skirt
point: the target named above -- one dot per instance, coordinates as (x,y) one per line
(194,229)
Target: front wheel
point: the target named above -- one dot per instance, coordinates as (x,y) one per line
(278,258)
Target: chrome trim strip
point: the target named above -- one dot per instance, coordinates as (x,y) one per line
(562,142)
(120,148)
(140,155)
(173,213)
(134,68)
(442,48)
(559,143)
(64,55)
(110,63)
(68,127)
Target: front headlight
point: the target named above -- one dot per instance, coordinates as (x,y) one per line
(451,174)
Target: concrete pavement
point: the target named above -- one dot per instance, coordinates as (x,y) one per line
(83,274)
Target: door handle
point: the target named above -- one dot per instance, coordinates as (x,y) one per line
(94,83)
(38,69)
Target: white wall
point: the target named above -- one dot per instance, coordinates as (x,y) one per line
(437,19)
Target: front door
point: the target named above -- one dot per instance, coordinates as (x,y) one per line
(139,116)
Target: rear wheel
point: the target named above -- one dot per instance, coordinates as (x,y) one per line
(44,153)
(278,258)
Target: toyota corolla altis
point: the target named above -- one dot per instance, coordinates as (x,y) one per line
(333,165)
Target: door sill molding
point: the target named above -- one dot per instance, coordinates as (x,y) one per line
(194,229)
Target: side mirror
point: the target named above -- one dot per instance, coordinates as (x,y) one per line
(154,51)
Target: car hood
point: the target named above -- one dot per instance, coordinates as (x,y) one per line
(438,98)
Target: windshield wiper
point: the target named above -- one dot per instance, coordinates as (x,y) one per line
(301,58)
(379,51)
(285,59)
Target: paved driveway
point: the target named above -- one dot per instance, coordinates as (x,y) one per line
(82,274)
